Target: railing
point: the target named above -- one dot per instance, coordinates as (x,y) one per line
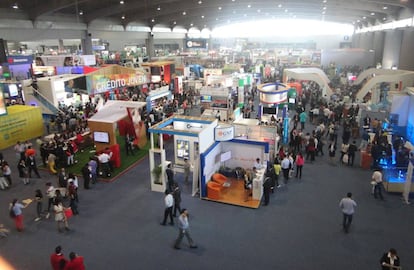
(49,105)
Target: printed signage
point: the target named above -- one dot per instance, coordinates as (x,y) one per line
(224,133)
(20,60)
(196,43)
(102,83)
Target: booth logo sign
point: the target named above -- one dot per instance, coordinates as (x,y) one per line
(224,133)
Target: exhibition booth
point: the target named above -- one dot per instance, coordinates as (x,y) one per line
(161,71)
(309,74)
(216,102)
(156,97)
(215,156)
(124,115)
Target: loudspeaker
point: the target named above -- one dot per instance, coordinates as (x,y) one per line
(3,51)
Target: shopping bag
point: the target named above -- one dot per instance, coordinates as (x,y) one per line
(345,159)
(68,213)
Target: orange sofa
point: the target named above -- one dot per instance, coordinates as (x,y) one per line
(213,190)
(219,178)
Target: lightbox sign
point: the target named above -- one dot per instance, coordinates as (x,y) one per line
(224,133)
(196,43)
(20,59)
(205,98)
(102,83)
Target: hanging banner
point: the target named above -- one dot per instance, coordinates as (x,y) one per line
(102,83)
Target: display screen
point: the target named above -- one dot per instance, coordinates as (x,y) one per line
(267,110)
(100,136)
(183,149)
(13,91)
(205,98)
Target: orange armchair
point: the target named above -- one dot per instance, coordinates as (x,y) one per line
(213,190)
(219,178)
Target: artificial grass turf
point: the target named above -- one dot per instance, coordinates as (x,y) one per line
(126,161)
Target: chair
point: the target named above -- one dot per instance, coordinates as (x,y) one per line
(214,190)
(219,178)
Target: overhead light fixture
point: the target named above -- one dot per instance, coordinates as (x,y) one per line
(384,19)
(200,2)
(184,13)
(123,17)
(191,24)
(258,11)
(219,8)
(249,6)
(81,12)
(323,12)
(364,18)
(286,10)
(15,6)
(202,16)
(324,8)
(158,8)
(122,2)
(372,13)
(279,6)
(384,7)
(324,1)
(174,22)
(152,20)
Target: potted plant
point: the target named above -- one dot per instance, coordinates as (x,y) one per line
(157,174)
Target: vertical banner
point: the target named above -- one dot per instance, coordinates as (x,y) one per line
(138,127)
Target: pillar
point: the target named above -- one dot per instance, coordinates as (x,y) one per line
(61,47)
(149,43)
(392,48)
(86,44)
(3,51)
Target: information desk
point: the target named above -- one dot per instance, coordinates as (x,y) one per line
(258,184)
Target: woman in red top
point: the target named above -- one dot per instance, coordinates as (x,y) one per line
(57,259)
(299,164)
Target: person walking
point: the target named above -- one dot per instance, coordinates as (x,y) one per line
(267,187)
(170,177)
(17,213)
(39,204)
(351,153)
(300,161)
(183,228)
(23,173)
(177,199)
(347,205)
(60,217)
(57,259)
(87,175)
(187,167)
(75,262)
(302,118)
(390,260)
(50,193)
(286,165)
(7,172)
(169,203)
(31,164)
(51,161)
(377,182)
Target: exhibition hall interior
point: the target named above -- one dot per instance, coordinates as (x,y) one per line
(271,134)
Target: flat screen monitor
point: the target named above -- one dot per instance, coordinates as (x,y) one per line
(206,98)
(101,136)
(13,91)
(267,110)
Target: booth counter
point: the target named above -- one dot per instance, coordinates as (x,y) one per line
(258,184)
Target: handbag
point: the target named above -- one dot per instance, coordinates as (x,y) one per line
(68,213)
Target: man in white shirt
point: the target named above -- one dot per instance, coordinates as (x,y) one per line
(258,164)
(377,178)
(286,165)
(104,160)
(169,203)
(347,205)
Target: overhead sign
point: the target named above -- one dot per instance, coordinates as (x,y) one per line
(102,83)
(20,59)
(224,133)
(196,43)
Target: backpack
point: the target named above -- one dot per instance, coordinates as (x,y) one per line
(12,213)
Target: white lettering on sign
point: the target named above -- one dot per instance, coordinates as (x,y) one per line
(102,86)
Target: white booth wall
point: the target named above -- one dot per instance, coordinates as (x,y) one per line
(243,154)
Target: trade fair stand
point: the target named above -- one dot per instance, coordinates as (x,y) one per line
(212,150)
